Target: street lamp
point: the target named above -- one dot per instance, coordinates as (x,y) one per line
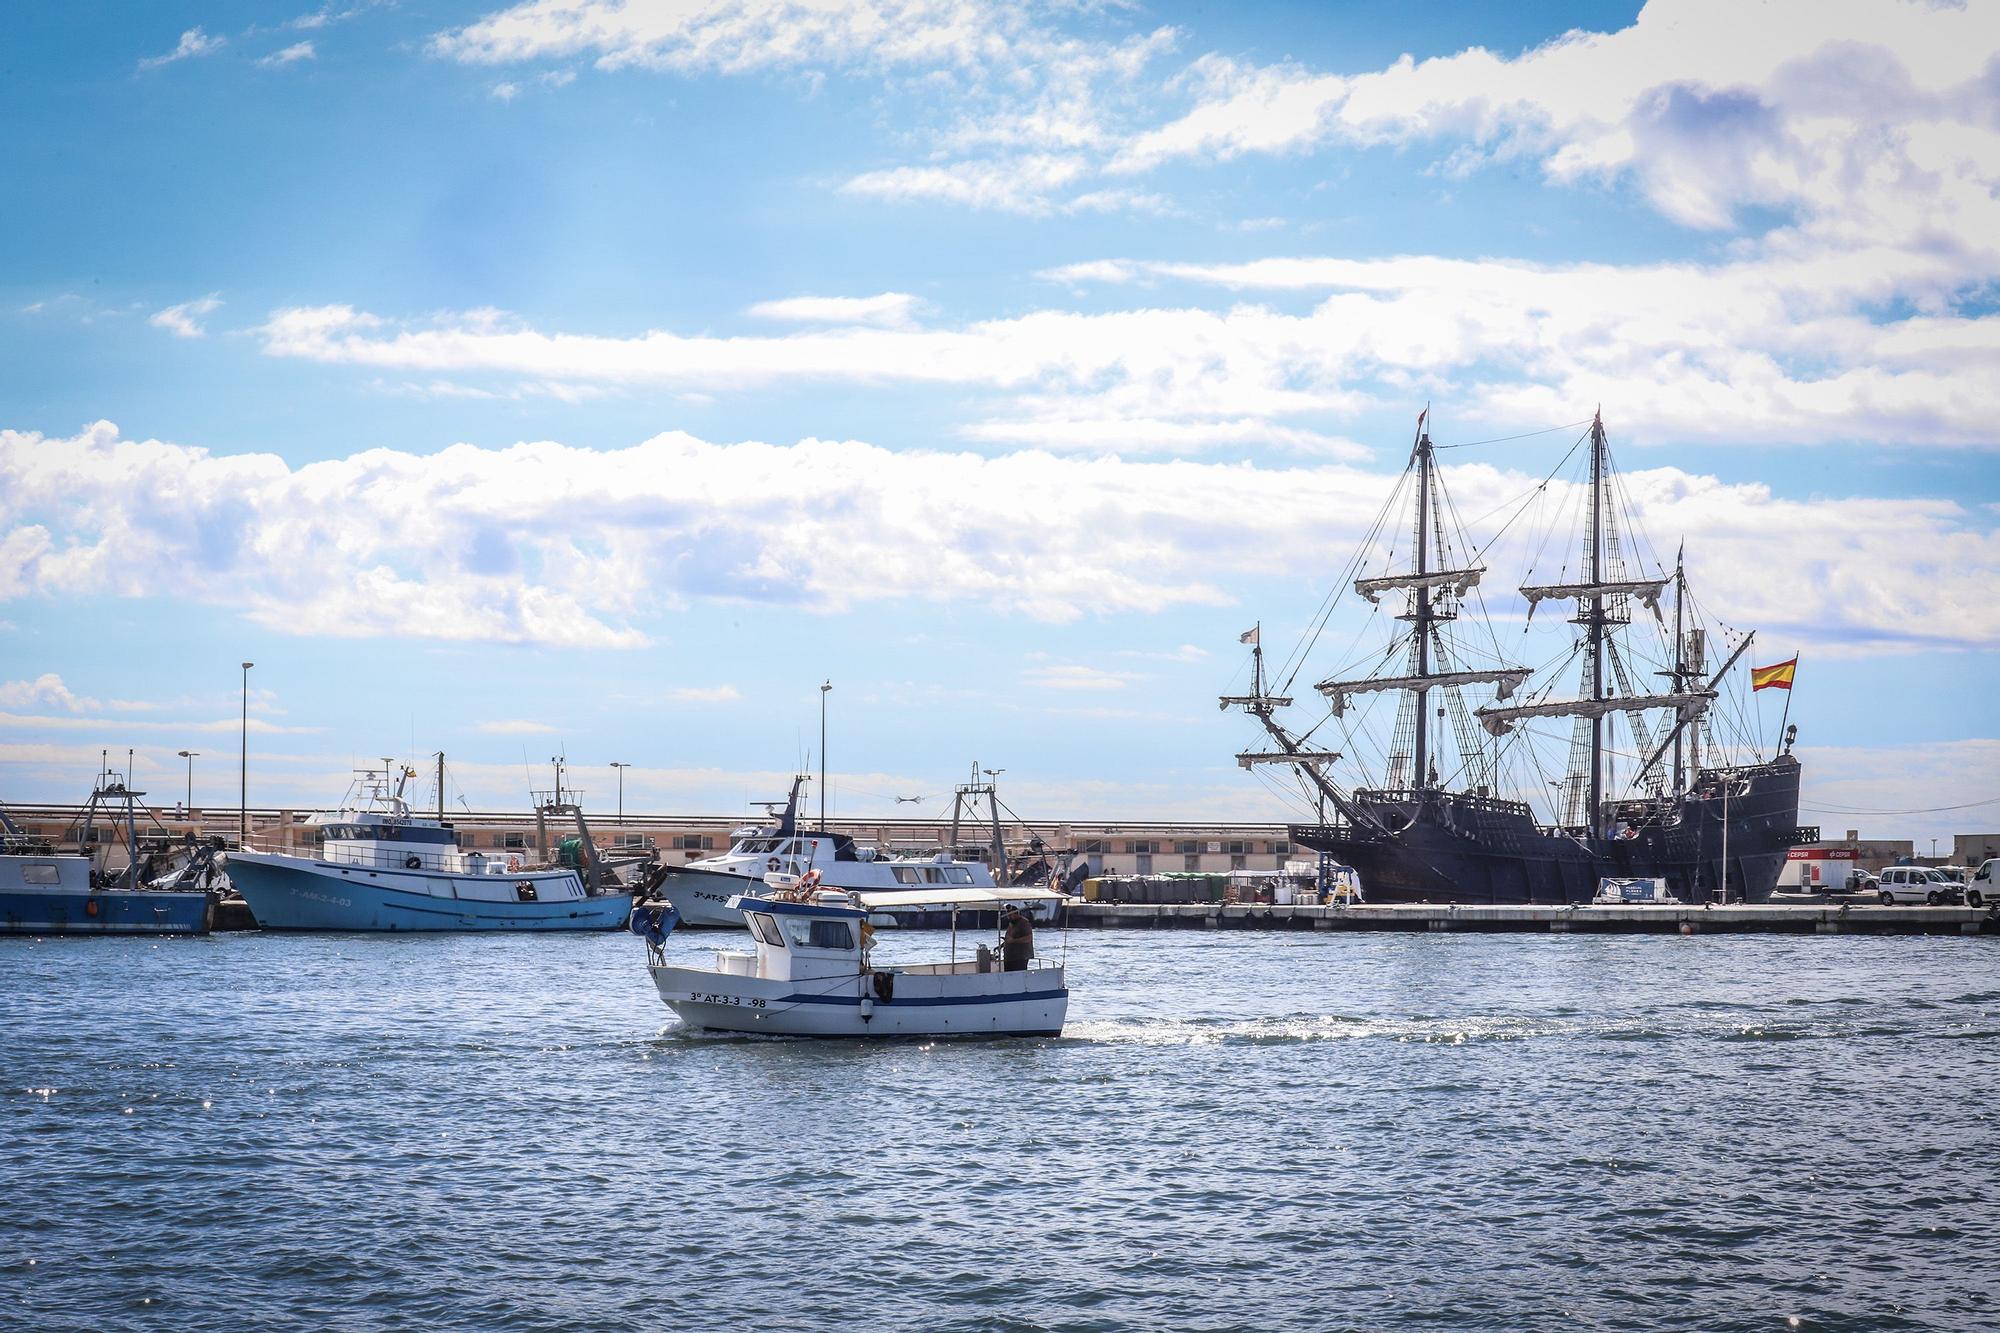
(243,766)
(190,756)
(621,788)
(824,690)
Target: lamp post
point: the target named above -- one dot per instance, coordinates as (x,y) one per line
(243,765)
(824,690)
(621,788)
(190,756)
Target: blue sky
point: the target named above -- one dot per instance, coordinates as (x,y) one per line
(600,377)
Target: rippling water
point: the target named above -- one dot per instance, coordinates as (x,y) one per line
(1237,1131)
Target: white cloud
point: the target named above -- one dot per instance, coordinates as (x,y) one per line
(121,725)
(1126,434)
(734,36)
(479,545)
(182,320)
(290,55)
(704,694)
(892,309)
(194,42)
(1867,346)
(1187,652)
(46,690)
(1869,124)
(1074,676)
(515,728)
(506,92)
(1027,184)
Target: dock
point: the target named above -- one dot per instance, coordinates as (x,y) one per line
(1734,919)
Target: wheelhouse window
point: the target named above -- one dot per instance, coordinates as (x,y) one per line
(765,927)
(908,875)
(41,872)
(958,875)
(817,932)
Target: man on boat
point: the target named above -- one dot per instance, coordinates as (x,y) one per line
(1017,942)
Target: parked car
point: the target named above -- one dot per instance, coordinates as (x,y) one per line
(1919,884)
(1985,885)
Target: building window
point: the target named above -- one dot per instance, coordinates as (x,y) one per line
(1239,863)
(1236,849)
(1192,861)
(1146,848)
(1186,848)
(1091,847)
(691,842)
(1281,848)
(514,842)
(1145,866)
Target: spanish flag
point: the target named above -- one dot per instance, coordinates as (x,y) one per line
(1777,677)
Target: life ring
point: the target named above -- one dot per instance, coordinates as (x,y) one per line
(513,864)
(413,863)
(771,864)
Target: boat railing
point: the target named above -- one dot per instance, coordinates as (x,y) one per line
(446,860)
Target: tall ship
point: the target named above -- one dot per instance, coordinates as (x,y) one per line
(1463,791)
(382,866)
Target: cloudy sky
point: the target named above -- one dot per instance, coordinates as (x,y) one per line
(596,378)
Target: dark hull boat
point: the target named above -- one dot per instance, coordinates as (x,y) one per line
(1439,846)
(1711,833)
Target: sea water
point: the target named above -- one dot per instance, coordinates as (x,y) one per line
(1236,1131)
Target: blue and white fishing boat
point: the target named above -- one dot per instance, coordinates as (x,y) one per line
(813,973)
(382,867)
(47,892)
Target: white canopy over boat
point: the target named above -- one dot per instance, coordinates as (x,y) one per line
(955,897)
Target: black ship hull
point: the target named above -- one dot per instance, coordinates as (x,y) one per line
(1725,840)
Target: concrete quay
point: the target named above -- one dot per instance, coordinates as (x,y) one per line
(1735,919)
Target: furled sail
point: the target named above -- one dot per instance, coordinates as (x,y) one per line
(1646,590)
(1690,705)
(1459,581)
(1508,680)
(1314,758)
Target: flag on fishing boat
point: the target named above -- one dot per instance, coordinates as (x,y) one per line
(1777,677)
(1250,635)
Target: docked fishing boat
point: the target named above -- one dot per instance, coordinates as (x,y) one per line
(813,973)
(702,891)
(383,867)
(1475,804)
(47,892)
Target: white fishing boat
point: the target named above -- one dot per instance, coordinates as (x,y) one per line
(812,973)
(383,867)
(703,891)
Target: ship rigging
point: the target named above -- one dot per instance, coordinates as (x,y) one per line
(1453,816)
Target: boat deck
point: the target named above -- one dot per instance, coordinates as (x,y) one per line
(1634,919)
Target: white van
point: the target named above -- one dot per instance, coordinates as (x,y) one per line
(1984,887)
(1919,884)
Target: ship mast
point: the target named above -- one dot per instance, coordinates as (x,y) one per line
(1602,600)
(1680,661)
(1596,618)
(1420,609)
(1425,671)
